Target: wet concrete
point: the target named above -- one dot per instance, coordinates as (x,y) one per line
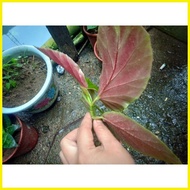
(162,108)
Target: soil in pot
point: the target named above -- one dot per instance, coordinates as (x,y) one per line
(28,78)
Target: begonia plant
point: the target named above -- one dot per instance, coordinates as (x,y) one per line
(127,58)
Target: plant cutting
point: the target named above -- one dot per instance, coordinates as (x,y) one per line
(127,57)
(18,138)
(28,83)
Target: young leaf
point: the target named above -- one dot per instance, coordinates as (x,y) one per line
(8,85)
(12,128)
(66,62)
(6,121)
(91,85)
(139,138)
(6,77)
(86,95)
(89,94)
(127,60)
(12,83)
(8,141)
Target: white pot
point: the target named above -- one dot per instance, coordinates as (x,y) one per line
(42,100)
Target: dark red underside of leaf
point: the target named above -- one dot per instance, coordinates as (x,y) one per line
(127,60)
(66,62)
(139,138)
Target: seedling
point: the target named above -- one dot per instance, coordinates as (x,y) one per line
(126,67)
(10,72)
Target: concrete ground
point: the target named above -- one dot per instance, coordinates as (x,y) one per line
(162,108)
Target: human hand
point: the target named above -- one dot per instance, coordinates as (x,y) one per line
(78,147)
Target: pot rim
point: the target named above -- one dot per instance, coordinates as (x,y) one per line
(96,52)
(88,33)
(28,49)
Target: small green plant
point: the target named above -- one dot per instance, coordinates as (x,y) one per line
(10,72)
(8,131)
(127,57)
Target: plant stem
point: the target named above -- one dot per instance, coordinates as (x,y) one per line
(97,117)
(92,111)
(95,99)
(93,108)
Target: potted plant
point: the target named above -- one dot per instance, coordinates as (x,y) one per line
(91,32)
(28,83)
(127,58)
(18,138)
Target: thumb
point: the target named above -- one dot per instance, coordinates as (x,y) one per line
(103,133)
(84,135)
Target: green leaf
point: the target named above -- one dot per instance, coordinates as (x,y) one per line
(92,28)
(12,128)
(19,65)
(6,121)
(6,77)
(12,83)
(8,85)
(91,85)
(8,127)
(8,131)
(14,60)
(8,141)
(86,95)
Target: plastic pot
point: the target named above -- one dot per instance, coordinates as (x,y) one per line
(48,92)
(26,138)
(92,37)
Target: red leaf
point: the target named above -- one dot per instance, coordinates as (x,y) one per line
(66,62)
(127,60)
(139,137)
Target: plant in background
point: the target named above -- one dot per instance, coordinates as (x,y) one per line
(8,131)
(126,67)
(10,72)
(92,29)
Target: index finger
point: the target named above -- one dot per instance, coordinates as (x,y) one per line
(84,135)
